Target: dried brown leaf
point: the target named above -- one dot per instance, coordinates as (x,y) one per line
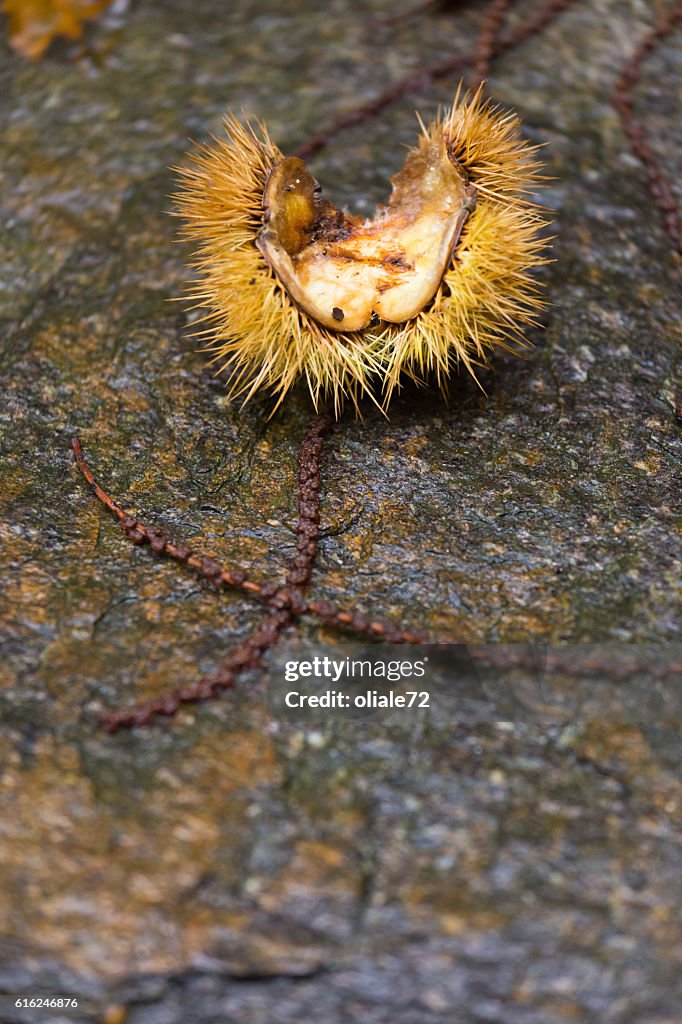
(33,24)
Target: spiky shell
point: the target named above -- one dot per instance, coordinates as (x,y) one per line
(266,340)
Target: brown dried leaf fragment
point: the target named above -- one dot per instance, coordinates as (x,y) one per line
(34,24)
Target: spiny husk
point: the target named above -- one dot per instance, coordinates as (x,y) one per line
(257,333)
(488,293)
(264,340)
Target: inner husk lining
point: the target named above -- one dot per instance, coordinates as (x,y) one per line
(344,271)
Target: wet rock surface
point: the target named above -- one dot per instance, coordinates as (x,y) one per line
(514,859)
